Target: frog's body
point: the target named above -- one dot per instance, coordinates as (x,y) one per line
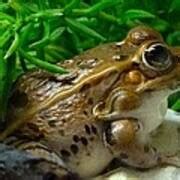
(82,120)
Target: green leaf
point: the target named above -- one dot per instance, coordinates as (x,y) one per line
(81,28)
(7,17)
(6,78)
(73,4)
(173,98)
(45,14)
(174,38)
(57,33)
(42,64)
(5,37)
(3,6)
(175,6)
(13,46)
(96,8)
(133,14)
(160,24)
(45,40)
(176,105)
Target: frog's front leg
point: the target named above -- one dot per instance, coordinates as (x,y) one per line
(117,105)
(121,137)
(145,156)
(51,163)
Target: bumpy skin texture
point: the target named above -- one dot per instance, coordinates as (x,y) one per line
(15,164)
(82,120)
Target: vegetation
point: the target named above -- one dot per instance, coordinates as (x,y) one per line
(39,33)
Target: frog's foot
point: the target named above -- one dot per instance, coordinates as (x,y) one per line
(144,157)
(173,160)
(50,161)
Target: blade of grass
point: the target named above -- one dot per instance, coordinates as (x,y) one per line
(176,106)
(7,79)
(81,28)
(42,64)
(137,14)
(73,4)
(45,40)
(13,46)
(56,33)
(96,8)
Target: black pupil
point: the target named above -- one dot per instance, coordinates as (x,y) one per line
(158,56)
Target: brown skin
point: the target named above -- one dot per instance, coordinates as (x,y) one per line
(76,117)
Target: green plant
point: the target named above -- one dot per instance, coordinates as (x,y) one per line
(40,33)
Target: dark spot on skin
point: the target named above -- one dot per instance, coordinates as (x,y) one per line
(159,160)
(84,141)
(90,101)
(70,176)
(85,112)
(85,87)
(154,149)
(74,148)
(91,138)
(53,79)
(52,123)
(65,153)
(50,176)
(87,129)
(141,163)
(75,138)
(94,130)
(178,129)
(146,149)
(19,99)
(61,132)
(123,156)
(63,120)
(33,127)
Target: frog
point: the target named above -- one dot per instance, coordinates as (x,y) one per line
(105,108)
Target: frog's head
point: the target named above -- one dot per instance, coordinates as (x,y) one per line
(155,65)
(141,91)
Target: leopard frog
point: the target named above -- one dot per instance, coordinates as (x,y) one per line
(106,107)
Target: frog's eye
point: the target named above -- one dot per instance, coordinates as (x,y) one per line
(157,57)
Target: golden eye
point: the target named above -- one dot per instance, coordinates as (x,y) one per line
(157,57)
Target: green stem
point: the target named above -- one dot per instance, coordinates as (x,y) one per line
(43,64)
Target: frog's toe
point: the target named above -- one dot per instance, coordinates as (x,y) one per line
(173,160)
